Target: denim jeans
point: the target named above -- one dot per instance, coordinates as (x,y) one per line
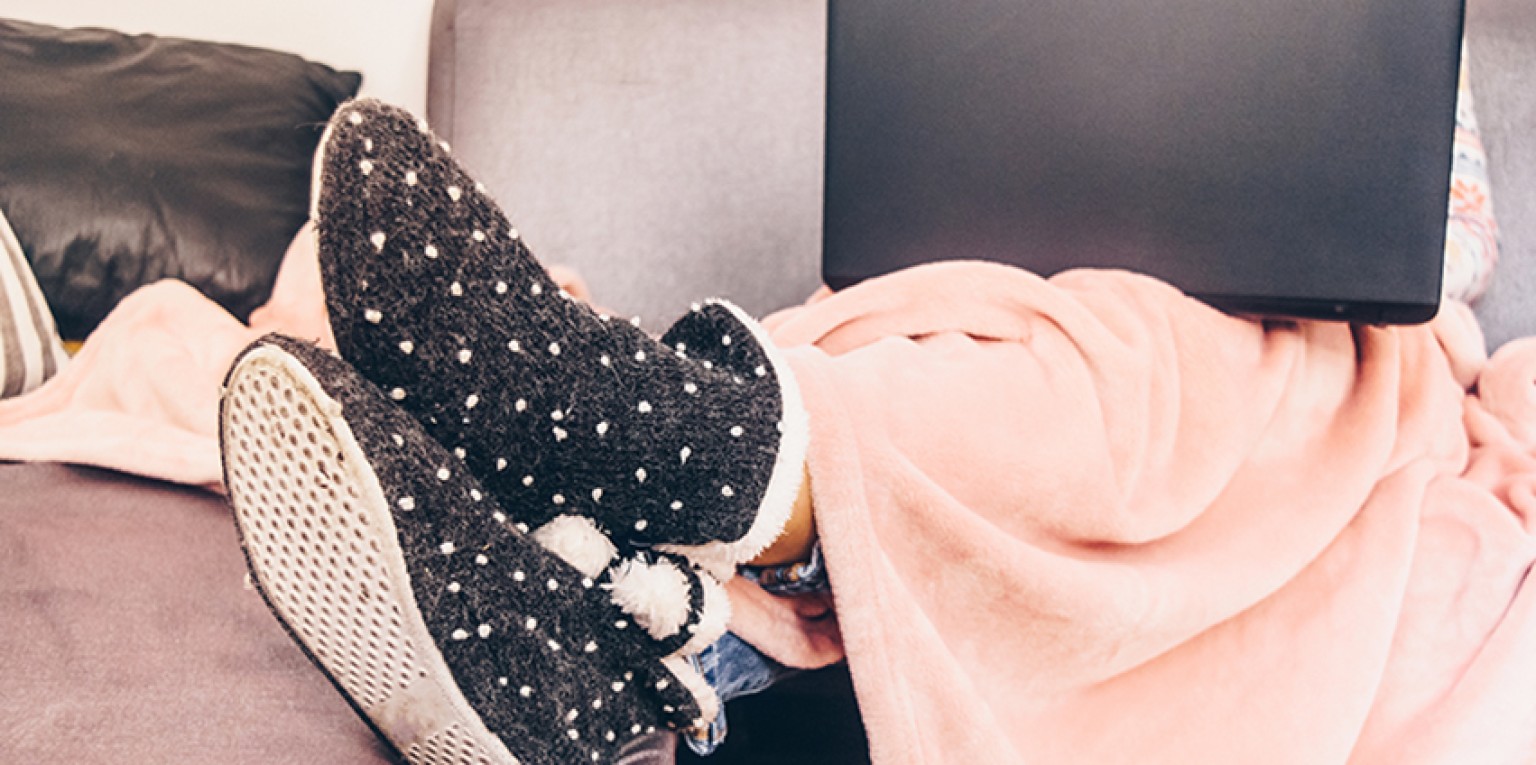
(735,669)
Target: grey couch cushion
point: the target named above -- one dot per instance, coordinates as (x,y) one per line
(130,637)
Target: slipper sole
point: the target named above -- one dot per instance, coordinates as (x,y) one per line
(321,543)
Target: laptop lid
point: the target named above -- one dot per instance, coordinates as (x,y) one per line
(1274,156)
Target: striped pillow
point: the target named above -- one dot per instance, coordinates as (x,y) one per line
(30,351)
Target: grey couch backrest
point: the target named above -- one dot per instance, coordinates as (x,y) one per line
(670,150)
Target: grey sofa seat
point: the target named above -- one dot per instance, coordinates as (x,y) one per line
(130,635)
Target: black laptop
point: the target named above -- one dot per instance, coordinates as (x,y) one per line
(1285,157)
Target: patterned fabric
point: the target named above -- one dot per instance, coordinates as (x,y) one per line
(695,441)
(30,351)
(459,637)
(1472,233)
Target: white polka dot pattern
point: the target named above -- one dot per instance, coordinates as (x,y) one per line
(321,548)
(464,577)
(491,336)
(383,565)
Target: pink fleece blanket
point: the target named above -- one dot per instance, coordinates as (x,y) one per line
(142,395)
(1077,520)
(1091,520)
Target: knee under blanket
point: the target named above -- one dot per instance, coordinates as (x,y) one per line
(1091,520)
(1076,520)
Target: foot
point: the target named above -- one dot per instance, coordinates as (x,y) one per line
(695,442)
(455,635)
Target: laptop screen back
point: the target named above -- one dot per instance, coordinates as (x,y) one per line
(1278,156)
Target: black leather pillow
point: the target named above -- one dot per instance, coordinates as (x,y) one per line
(127,159)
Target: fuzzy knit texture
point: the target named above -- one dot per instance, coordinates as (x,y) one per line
(541,653)
(433,296)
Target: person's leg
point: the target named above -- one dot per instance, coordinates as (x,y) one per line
(732,666)
(454,634)
(693,442)
(576,423)
(799,535)
(734,669)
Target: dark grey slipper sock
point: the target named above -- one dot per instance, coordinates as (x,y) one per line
(454,634)
(698,440)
